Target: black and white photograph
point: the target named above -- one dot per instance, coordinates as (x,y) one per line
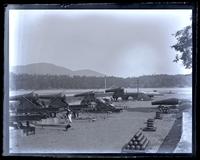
(99,81)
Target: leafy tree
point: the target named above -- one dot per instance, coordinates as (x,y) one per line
(184,46)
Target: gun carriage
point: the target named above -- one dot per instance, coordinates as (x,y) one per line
(119,93)
(165,104)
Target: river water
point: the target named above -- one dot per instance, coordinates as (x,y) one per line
(177,92)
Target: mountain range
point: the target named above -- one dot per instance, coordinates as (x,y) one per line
(51,69)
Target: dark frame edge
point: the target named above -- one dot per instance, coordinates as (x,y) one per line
(6,83)
(192,6)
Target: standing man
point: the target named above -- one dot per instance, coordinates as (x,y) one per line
(68,118)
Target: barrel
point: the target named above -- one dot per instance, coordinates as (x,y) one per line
(169,101)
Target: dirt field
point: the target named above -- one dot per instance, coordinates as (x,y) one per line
(103,135)
(107,134)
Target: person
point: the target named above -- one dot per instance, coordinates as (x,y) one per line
(67,127)
(75,114)
(27,124)
(68,118)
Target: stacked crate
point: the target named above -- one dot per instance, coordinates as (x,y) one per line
(138,143)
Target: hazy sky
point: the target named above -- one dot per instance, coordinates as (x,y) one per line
(121,43)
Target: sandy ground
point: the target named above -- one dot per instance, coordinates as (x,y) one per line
(108,134)
(103,135)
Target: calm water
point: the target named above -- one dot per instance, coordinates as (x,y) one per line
(177,92)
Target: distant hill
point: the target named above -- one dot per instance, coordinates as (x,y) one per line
(51,69)
(87,72)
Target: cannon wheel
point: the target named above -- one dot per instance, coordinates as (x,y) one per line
(125,97)
(115,98)
(160,108)
(163,109)
(166,109)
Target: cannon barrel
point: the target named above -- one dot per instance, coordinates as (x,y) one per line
(39,110)
(32,117)
(31,95)
(77,107)
(91,93)
(170,101)
(49,96)
(115,90)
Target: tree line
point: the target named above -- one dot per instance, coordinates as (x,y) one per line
(27,81)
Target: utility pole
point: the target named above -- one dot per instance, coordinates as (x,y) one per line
(105,82)
(138,88)
(137,85)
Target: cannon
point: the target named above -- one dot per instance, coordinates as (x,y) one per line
(163,105)
(90,93)
(54,100)
(87,97)
(50,96)
(34,107)
(169,101)
(119,92)
(32,117)
(30,96)
(96,104)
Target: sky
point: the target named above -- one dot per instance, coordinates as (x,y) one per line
(123,43)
